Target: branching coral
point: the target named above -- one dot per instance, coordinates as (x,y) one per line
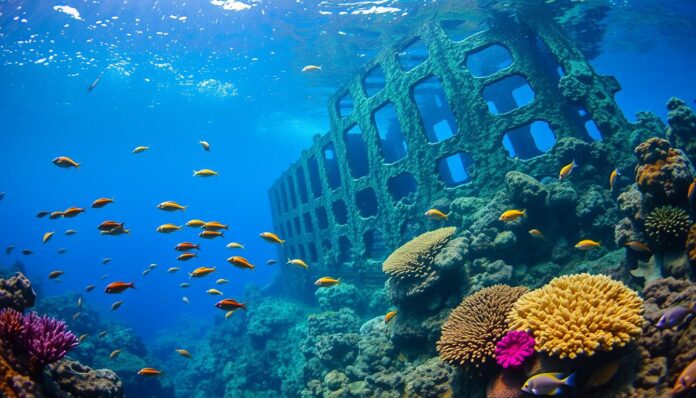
(579,315)
(512,350)
(11,325)
(662,171)
(472,330)
(413,259)
(667,226)
(46,339)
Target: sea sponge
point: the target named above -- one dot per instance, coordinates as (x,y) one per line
(414,259)
(578,315)
(512,350)
(691,244)
(662,171)
(667,226)
(474,328)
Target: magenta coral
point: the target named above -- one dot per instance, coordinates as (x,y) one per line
(11,324)
(46,339)
(513,349)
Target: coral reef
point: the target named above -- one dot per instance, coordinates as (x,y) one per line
(16,293)
(512,350)
(600,313)
(663,173)
(682,127)
(667,227)
(81,381)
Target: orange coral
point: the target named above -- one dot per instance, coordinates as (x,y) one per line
(662,170)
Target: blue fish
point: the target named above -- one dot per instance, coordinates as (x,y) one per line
(548,383)
(675,316)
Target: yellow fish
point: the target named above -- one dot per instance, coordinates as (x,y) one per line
(327,281)
(214,292)
(139,149)
(173,269)
(171,206)
(271,237)
(566,170)
(298,262)
(204,173)
(221,281)
(168,228)
(234,245)
(65,162)
(311,68)
(229,313)
(205,145)
(389,315)
(612,178)
(587,244)
(512,215)
(114,354)
(201,271)
(195,223)
(47,236)
(184,353)
(435,214)
(214,226)
(692,190)
(536,233)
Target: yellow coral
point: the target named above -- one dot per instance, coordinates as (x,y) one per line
(474,328)
(579,315)
(414,258)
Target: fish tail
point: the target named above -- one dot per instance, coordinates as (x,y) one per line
(281,242)
(570,380)
(183,208)
(194,173)
(289,261)
(77,165)
(243,306)
(524,212)
(131,285)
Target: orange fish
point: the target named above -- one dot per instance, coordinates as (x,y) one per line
(587,244)
(271,237)
(692,191)
(72,212)
(55,214)
(512,215)
(435,214)
(389,315)
(186,246)
(109,225)
(327,281)
(171,206)
(536,233)
(186,256)
(210,234)
(47,236)
(65,162)
(118,287)
(214,226)
(240,262)
(230,305)
(167,228)
(638,246)
(101,202)
(201,271)
(612,178)
(686,380)
(149,372)
(566,170)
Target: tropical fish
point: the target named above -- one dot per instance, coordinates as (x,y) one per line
(675,316)
(298,262)
(435,214)
(47,236)
(149,372)
(210,234)
(214,226)
(186,246)
(602,375)
(116,231)
(204,144)
(79,302)
(42,214)
(139,149)
(152,266)
(612,178)
(65,162)
(184,353)
(234,245)
(185,299)
(101,202)
(118,287)
(95,82)
(167,228)
(55,274)
(104,276)
(72,212)
(201,271)
(102,334)
(195,223)
(536,233)
(9,249)
(240,262)
(82,338)
(204,173)
(512,215)
(76,315)
(638,246)
(326,281)
(147,271)
(230,304)
(109,225)
(184,285)
(389,315)
(70,232)
(114,354)
(587,244)
(271,237)
(173,269)
(55,214)
(116,305)
(548,383)
(229,314)
(692,191)
(89,288)
(271,262)
(566,170)
(171,206)
(106,260)
(221,281)
(311,68)
(686,380)
(27,252)
(186,256)
(214,292)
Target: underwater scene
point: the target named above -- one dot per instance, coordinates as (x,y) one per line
(347,199)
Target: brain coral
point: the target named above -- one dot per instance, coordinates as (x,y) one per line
(413,259)
(579,314)
(662,170)
(667,226)
(474,328)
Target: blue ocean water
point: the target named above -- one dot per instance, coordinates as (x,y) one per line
(174,73)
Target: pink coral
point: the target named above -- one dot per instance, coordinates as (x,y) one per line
(514,348)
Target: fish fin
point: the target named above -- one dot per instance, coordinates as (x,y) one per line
(524,212)
(194,173)
(555,391)
(281,242)
(338,280)
(183,208)
(618,172)
(574,163)
(570,380)
(77,165)
(132,285)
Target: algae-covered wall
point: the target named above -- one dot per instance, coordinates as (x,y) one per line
(352,198)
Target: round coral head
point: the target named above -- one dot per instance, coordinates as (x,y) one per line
(514,348)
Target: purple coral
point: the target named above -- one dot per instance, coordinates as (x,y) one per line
(46,339)
(514,348)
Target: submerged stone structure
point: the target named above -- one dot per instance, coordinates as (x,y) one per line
(431,119)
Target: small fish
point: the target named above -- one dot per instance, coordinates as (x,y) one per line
(311,68)
(389,316)
(101,202)
(106,260)
(271,262)
(73,211)
(27,252)
(102,334)
(152,266)
(147,271)
(104,276)
(298,262)
(185,299)
(82,338)
(195,223)
(548,383)
(42,214)
(205,145)
(55,274)
(186,256)
(566,170)
(204,173)
(184,285)
(114,354)
(240,262)
(95,82)
(47,236)
(210,234)
(638,246)
(435,214)
(675,316)
(65,162)
(9,249)
(79,302)
(116,305)
(139,149)
(271,237)
(167,228)
(184,353)
(89,288)
(62,251)
(327,281)
(171,206)
(692,191)
(186,246)
(612,178)
(149,372)
(201,271)
(214,292)
(110,225)
(221,281)
(55,214)
(686,380)
(602,375)
(76,315)
(536,233)
(234,245)
(118,287)
(587,244)
(512,215)
(214,226)
(70,232)
(230,304)
(229,313)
